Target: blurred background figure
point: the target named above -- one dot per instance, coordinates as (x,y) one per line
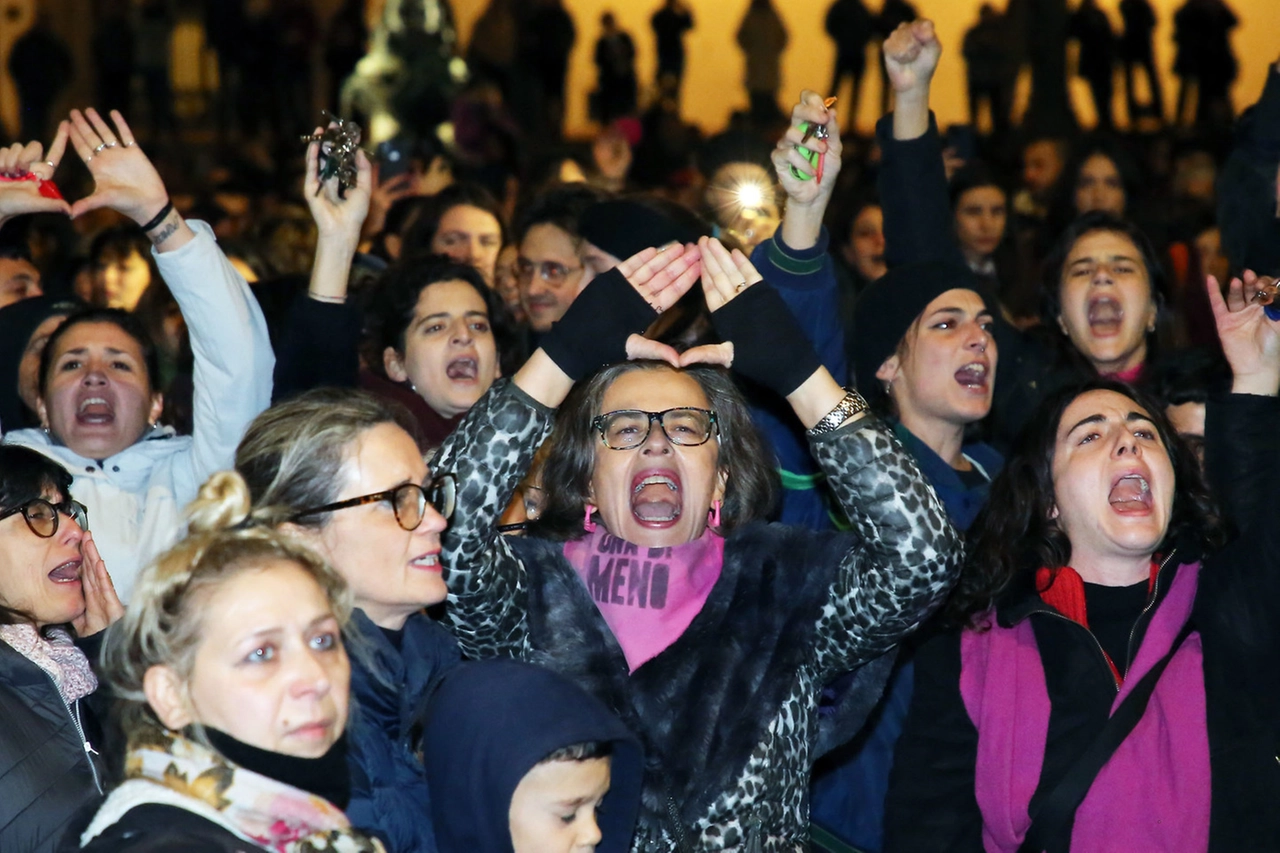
(670,23)
(615,59)
(1204,61)
(763,37)
(1135,52)
(41,67)
(851,27)
(546,37)
(1095,57)
(491,55)
(991,66)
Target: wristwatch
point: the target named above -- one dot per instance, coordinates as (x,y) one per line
(851,405)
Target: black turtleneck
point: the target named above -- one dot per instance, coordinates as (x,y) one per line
(326,776)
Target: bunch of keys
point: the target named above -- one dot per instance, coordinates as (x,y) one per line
(339,142)
(813,131)
(1267,295)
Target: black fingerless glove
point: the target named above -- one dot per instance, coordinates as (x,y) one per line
(594,331)
(769,347)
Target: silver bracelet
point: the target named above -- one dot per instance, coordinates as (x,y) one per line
(851,405)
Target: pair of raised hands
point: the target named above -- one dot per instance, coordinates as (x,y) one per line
(124,178)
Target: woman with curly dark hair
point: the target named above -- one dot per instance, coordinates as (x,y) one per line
(1106,683)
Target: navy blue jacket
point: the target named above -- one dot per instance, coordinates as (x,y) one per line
(389,687)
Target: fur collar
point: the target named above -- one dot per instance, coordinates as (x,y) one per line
(703,705)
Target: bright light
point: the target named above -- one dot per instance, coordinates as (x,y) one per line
(750,196)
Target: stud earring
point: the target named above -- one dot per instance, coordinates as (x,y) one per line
(587,524)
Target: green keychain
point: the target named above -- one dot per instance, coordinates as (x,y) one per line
(816,131)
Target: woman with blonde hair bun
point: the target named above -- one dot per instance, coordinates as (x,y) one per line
(233,682)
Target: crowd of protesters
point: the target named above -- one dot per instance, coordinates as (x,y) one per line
(767,492)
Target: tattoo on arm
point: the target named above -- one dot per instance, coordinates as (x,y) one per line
(165,230)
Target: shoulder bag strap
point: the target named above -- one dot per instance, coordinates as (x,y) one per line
(1052,822)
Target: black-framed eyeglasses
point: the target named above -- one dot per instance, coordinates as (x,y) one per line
(627,429)
(552,272)
(42,515)
(408,501)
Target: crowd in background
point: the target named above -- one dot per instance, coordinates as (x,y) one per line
(892,493)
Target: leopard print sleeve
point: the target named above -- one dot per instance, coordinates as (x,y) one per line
(907,557)
(489,452)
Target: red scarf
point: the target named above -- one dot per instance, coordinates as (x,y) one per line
(1063,590)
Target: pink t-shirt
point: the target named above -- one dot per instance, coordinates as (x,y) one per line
(648,596)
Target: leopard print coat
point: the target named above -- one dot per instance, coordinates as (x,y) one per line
(728,713)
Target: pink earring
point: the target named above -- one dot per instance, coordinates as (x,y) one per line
(714,520)
(587,524)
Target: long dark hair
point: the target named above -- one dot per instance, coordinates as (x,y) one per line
(24,476)
(1055,263)
(751,482)
(1015,533)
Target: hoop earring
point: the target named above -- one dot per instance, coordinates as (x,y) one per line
(714,519)
(587,524)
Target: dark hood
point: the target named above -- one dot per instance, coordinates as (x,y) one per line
(17,322)
(488,724)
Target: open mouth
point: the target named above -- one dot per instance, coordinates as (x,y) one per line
(464,369)
(68,572)
(656,497)
(1131,494)
(1105,316)
(427,562)
(973,376)
(95,411)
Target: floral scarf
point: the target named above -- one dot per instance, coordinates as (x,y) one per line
(169,769)
(57,654)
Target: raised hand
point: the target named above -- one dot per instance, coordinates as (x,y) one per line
(662,276)
(809,111)
(19,162)
(1250,339)
(335,216)
(725,274)
(123,177)
(101,604)
(911,55)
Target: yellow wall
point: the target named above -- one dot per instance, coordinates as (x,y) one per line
(713,80)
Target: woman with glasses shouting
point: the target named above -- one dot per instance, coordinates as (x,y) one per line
(651,577)
(54,594)
(341,471)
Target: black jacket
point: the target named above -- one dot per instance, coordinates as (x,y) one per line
(153,828)
(46,775)
(932,804)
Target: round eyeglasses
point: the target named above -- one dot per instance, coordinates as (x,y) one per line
(626,429)
(42,515)
(408,501)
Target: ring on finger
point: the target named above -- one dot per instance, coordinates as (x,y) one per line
(101,146)
(111,144)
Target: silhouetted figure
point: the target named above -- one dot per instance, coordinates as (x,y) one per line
(113,57)
(991,67)
(1135,52)
(491,55)
(762,37)
(892,13)
(1049,111)
(41,67)
(255,50)
(1202,33)
(1095,62)
(546,38)
(155,32)
(851,27)
(344,46)
(421,35)
(615,71)
(224,30)
(297,32)
(670,23)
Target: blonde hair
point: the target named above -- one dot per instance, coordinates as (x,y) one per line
(163,623)
(292,454)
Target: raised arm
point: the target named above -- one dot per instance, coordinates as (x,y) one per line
(24,172)
(320,341)
(913,180)
(233,358)
(493,447)
(908,553)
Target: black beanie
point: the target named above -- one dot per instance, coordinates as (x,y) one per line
(887,308)
(625,226)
